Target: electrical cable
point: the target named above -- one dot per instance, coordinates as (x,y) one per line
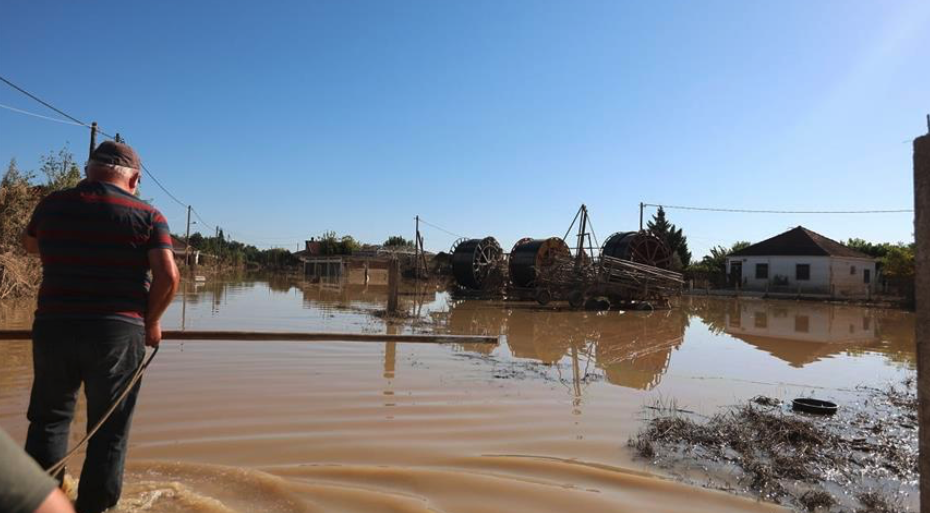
(749,211)
(441,229)
(40,116)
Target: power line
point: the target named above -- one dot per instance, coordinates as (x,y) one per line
(202,222)
(40,116)
(43,102)
(85,125)
(440,228)
(749,211)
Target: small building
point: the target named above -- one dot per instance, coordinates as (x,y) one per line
(181,253)
(802,262)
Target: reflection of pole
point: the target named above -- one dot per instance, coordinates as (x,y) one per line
(390,359)
(184,307)
(576,371)
(922,298)
(416,251)
(393,285)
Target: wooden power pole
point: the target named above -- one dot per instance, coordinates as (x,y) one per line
(922,297)
(416,251)
(187,238)
(93,139)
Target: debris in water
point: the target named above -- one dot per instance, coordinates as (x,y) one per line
(798,460)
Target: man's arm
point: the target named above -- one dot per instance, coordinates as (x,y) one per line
(30,243)
(165,279)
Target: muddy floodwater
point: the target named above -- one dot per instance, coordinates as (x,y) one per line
(539,423)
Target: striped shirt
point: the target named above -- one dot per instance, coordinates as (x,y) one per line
(94,241)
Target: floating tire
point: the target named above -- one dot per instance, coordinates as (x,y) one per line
(815,406)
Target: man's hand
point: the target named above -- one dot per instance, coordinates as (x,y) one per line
(152,333)
(165,280)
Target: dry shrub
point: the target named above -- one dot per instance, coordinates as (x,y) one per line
(19,276)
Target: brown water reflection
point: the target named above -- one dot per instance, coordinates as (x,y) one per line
(539,423)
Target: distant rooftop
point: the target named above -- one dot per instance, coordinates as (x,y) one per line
(800,242)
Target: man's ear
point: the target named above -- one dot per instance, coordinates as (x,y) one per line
(134,181)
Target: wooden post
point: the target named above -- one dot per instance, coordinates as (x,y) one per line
(187,238)
(922,302)
(93,139)
(393,285)
(416,251)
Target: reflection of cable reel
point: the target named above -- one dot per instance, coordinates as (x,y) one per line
(474,259)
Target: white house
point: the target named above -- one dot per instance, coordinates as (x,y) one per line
(800,261)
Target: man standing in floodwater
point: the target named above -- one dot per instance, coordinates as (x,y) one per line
(97,309)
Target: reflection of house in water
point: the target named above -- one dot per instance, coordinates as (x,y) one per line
(800,333)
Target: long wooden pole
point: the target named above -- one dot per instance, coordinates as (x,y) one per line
(922,298)
(298,336)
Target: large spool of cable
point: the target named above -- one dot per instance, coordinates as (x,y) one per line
(473,259)
(640,247)
(532,256)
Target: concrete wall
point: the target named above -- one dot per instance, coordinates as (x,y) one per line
(784,267)
(848,277)
(828,275)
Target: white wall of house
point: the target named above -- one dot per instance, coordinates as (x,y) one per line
(828,275)
(782,272)
(849,276)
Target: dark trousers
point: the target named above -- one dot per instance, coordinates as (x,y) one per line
(103,355)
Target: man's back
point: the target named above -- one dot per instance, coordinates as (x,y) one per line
(94,241)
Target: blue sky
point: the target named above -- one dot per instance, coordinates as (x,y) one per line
(279,121)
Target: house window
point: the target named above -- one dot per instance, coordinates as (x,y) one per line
(802,323)
(852,269)
(866,325)
(762,271)
(867,276)
(802,272)
(761,320)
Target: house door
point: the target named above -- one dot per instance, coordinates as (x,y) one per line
(736,274)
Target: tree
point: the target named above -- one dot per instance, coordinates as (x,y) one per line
(17,200)
(898,262)
(397,241)
(878,250)
(671,235)
(716,261)
(61,172)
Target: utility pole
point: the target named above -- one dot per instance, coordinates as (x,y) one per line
(641,206)
(187,238)
(416,250)
(922,307)
(93,138)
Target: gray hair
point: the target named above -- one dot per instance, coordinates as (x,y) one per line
(110,169)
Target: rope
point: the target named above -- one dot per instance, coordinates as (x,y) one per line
(54,469)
